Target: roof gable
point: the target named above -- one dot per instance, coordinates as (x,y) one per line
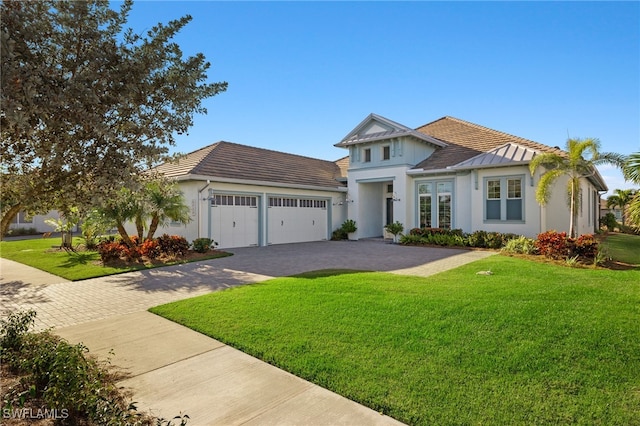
(234,161)
(375,128)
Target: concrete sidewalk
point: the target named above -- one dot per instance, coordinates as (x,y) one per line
(176,370)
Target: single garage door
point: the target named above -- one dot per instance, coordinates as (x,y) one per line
(294,220)
(234,220)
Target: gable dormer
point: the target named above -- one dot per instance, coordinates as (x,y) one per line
(380,142)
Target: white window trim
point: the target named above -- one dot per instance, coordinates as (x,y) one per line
(504,197)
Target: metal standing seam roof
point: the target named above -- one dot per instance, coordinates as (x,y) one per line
(235,161)
(504,155)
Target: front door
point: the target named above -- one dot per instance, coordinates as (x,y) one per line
(389,216)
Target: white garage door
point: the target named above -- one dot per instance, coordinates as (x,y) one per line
(234,220)
(294,220)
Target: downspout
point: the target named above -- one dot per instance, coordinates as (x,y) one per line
(201,199)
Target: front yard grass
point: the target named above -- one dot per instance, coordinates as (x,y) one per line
(38,252)
(623,247)
(531,344)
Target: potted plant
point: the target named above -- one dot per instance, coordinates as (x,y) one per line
(395,229)
(349,226)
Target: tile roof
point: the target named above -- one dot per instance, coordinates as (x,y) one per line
(466,140)
(234,161)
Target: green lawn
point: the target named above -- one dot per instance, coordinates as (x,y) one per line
(623,247)
(532,344)
(38,253)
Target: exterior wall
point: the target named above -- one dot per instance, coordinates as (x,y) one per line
(403,151)
(529,226)
(368,194)
(197,195)
(557,213)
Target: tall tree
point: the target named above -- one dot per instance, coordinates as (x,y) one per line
(85,103)
(573,165)
(621,198)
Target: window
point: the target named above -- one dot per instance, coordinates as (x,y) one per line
(367,155)
(386,152)
(390,188)
(493,200)
(435,212)
(503,199)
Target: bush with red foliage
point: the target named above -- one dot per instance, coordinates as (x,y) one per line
(553,244)
(150,249)
(586,246)
(110,250)
(173,245)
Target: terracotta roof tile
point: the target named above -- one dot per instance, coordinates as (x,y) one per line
(235,161)
(467,140)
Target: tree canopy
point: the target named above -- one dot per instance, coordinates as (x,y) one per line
(86,104)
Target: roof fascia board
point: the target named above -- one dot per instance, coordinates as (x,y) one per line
(215,179)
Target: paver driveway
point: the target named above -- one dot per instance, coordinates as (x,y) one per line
(67,303)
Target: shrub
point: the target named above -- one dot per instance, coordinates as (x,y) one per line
(477,239)
(131,253)
(150,249)
(110,250)
(520,245)
(586,246)
(349,226)
(554,244)
(202,245)
(173,245)
(339,234)
(21,231)
(609,220)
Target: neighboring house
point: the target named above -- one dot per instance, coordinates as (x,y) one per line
(37,222)
(616,210)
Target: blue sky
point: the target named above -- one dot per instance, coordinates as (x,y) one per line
(303,74)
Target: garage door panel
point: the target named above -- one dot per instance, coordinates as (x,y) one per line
(234,220)
(296,220)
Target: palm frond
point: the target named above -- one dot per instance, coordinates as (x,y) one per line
(543,191)
(631,168)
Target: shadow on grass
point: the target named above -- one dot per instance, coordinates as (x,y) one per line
(323,273)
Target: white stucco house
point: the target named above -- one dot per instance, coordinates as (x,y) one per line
(448,173)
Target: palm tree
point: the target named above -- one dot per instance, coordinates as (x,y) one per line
(621,199)
(164,202)
(631,172)
(573,165)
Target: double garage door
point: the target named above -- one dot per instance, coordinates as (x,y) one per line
(235,220)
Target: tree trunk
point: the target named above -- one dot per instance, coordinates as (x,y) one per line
(572,224)
(153,226)
(7,218)
(139,227)
(124,235)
